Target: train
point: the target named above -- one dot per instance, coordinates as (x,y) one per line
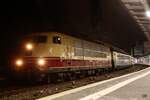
(144,60)
(48,53)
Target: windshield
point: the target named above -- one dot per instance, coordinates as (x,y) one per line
(38,39)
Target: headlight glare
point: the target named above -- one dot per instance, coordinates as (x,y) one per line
(19,62)
(29,46)
(41,62)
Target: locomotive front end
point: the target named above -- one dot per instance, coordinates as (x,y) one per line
(19,63)
(32,62)
(26,63)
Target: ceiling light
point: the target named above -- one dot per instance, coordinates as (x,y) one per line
(148,13)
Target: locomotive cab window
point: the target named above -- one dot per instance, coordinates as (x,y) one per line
(41,39)
(57,40)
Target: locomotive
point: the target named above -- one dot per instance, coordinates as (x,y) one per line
(53,52)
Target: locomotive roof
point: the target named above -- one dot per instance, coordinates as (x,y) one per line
(98,42)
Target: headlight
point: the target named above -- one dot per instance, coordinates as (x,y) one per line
(41,62)
(29,46)
(19,62)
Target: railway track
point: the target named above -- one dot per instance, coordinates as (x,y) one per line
(2,78)
(13,91)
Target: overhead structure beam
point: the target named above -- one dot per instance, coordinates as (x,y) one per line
(137,9)
(145,4)
(133,7)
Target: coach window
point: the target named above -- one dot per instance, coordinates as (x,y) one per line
(57,40)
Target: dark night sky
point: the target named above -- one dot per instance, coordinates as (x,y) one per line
(106,20)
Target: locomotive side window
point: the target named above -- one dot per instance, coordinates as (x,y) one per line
(56,40)
(41,39)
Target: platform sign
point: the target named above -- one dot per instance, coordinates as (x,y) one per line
(139,50)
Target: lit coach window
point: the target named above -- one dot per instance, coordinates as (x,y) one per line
(57,40)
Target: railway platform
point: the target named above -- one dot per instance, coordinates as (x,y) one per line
(134,86)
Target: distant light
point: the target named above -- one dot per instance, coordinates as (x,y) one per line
(148,13)
(135,61)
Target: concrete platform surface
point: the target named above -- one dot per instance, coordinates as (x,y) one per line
(134,86)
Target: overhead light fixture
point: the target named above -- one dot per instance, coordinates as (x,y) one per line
(148,13)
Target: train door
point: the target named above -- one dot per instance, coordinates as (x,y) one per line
(112,58)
